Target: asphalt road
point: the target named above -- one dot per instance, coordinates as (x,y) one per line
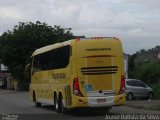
(19,103)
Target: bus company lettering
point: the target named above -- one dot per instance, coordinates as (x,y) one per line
(98,49)
(59,76)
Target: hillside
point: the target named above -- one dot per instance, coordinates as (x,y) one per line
(148,56)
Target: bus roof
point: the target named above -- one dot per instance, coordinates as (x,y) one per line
(50,47)
(58,45)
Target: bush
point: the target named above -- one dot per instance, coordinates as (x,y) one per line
(156,91)
(149,73)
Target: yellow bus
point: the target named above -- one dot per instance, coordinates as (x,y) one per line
(79,73)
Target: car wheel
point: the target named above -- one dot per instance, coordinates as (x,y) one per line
(129,96)
(150,95)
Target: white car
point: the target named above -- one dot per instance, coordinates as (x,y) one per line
(137,89)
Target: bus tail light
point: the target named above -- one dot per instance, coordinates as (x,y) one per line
(122,86)
(76,89)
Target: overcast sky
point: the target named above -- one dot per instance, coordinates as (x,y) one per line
(135,22)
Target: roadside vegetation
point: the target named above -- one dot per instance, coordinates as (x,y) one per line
(156,89)
(145,65)
(17,45)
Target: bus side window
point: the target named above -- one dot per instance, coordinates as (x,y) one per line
(59,58)
(55,59)
(44,61)
(63,56)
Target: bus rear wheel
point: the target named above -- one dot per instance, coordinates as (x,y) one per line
(59,105)
(38,104)
(63,109)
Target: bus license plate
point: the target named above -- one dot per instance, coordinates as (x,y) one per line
(101,100)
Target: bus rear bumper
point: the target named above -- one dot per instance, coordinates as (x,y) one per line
(106,101)
(100,101)
(93,101)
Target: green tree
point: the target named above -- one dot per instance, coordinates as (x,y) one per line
(131,64)
(16,46)
(149,73)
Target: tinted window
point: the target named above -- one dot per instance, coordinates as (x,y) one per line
(131,83)
(140,84)
(35,62)
(55,59)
